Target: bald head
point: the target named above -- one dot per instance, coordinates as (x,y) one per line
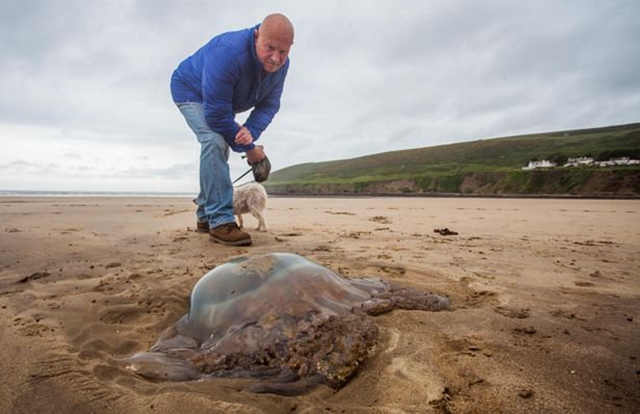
(277,24)
(273,41)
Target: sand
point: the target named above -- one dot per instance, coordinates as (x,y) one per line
(546,296)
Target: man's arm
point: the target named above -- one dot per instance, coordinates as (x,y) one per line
(220,73)
(263,113)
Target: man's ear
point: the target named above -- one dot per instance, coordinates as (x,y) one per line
(256,34)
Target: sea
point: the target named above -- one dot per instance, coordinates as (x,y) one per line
(14,193)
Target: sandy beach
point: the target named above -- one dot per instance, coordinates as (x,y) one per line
(546,298)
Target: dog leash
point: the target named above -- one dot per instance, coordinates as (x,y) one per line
(247,172)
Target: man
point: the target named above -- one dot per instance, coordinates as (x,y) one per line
(232,73)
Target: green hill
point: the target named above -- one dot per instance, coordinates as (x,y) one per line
(483,167)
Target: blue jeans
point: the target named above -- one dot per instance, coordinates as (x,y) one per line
(215,201)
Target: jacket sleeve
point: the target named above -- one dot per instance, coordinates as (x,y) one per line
(220,73)
(265,110)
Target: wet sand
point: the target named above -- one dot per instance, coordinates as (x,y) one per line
(546,296)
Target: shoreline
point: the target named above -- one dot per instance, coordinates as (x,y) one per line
(31,195)
(459,195)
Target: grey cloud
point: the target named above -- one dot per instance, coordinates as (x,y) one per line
(22,167)
(178,171)
(72,155)
(170,172)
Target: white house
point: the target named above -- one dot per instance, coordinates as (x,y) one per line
(618,161)
(539,164)
(576,162)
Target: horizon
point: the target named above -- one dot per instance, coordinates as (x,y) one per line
(63,192)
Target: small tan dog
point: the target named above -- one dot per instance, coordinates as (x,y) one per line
(250,198)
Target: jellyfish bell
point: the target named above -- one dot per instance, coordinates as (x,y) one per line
(274,316)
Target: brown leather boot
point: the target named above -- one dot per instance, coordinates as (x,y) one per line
(230,234)
(202,226)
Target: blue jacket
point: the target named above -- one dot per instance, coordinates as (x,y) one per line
(226,76)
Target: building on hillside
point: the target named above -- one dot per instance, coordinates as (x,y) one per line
(618,161)
(577,162)
(539,164)
(624,161)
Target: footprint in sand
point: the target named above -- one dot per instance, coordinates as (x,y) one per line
(510,312)
(122,314)
(380,219)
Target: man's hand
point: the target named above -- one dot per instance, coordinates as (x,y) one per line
(255,155)
(243,137)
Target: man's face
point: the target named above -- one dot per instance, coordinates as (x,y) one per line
(272,49)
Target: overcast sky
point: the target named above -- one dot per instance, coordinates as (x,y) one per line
(85,102)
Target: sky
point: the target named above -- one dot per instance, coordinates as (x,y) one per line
(85,102)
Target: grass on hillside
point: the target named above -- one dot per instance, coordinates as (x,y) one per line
(449,164)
